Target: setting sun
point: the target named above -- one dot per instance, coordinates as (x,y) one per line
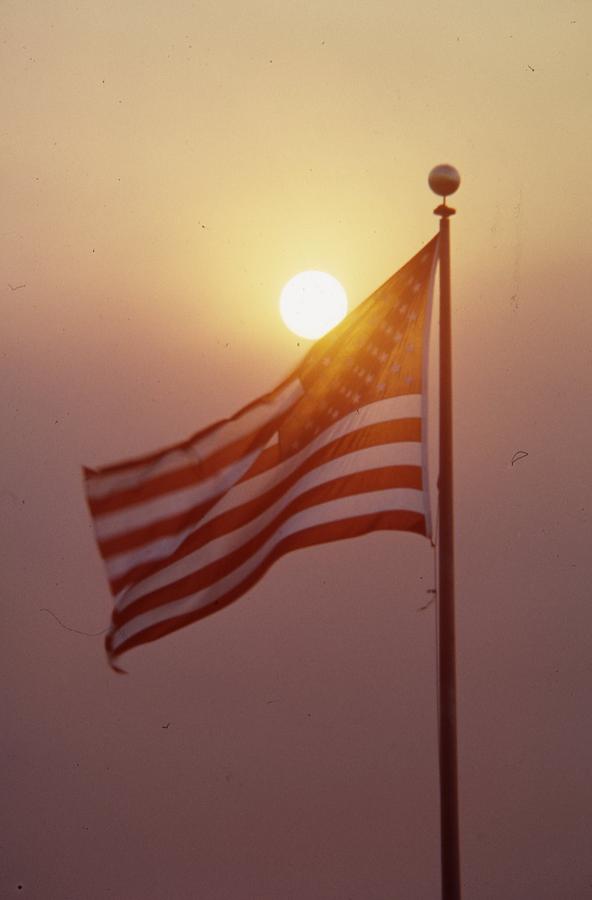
(312,303)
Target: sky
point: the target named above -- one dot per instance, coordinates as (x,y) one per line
(166,168)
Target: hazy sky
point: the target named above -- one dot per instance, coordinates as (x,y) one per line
(166,168)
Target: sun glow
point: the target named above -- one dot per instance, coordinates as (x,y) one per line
(312,303)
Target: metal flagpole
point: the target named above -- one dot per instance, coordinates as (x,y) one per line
(444,180)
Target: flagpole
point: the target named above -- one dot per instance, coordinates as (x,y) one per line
(444,180)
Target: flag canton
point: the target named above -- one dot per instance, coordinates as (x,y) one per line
(376,353)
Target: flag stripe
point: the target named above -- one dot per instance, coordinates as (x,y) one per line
(236,526)
(151,511)
(392,509)
(213,476)
(121,640)
(181,578)
(167,534)
(197,499)
(387,411)
(212,449)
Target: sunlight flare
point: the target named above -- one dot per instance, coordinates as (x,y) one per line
(312,303)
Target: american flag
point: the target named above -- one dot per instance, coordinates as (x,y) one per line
(337,450)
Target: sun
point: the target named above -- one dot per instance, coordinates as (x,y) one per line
(312,303)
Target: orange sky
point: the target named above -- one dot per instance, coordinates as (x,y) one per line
(166,169)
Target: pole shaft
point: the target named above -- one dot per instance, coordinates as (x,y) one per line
(449,830)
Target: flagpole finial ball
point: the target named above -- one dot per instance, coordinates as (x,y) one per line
(444,180)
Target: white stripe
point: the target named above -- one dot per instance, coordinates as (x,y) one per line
(425,381)
(343,508)
(104,484)
(400,454)
(379,412)
(115,524)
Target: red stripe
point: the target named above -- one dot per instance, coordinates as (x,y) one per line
(358,483)
(395,520)
(394,430)
(149,459)
(381,433)
(234,518)
(152,488)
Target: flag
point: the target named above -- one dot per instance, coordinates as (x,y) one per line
(337,450)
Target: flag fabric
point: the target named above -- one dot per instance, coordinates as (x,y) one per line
(337,450)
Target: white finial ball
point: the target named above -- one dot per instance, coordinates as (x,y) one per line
(444,180)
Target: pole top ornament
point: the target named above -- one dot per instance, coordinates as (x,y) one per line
(444,180)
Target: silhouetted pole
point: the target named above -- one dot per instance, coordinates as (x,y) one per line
(444,180)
